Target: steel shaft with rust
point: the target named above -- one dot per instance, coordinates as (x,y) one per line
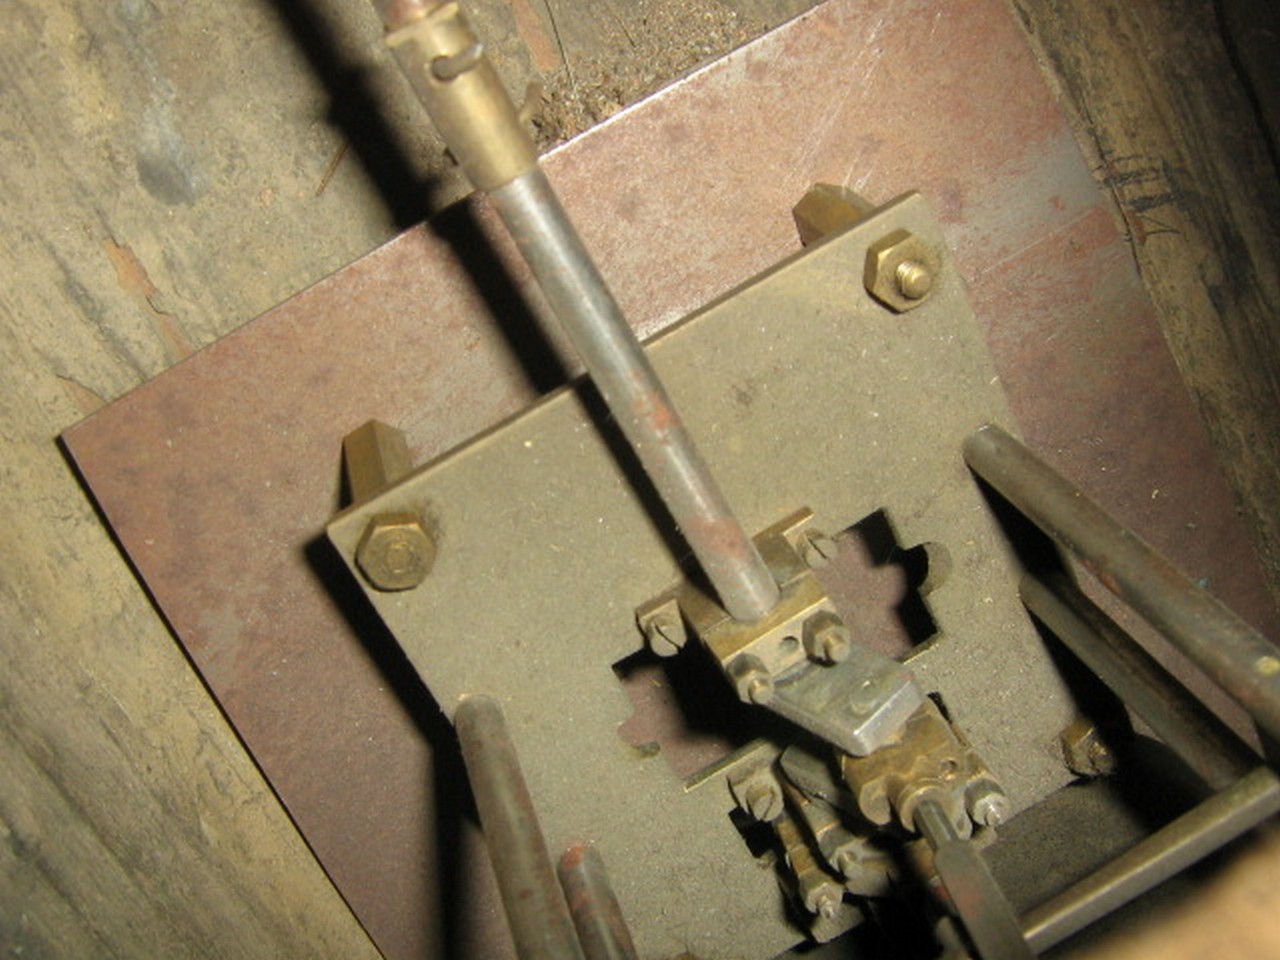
(446,65)
(1238,658)
(541,926)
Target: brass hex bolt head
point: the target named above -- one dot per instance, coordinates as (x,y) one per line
(901,270)
(1085,752)
(395,552)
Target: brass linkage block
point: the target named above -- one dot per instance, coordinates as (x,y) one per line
(931,761)
(798,660)
(803,626)
(867,870)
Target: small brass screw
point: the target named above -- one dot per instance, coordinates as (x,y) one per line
(752,680)
(763,801)
(666,637)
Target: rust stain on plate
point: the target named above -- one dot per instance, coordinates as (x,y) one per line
(219,476)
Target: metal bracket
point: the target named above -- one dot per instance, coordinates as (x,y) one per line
(802,388)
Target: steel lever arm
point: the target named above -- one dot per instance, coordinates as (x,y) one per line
(446,64)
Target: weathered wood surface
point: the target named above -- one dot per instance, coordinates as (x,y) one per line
(141,217)
(1166,118)
(170,170)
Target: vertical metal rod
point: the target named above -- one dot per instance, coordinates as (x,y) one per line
(1177,717)
(1231,652)
(635,396)
(449,71)
(602,930)
(976,897)
(536,910)
(1191,837)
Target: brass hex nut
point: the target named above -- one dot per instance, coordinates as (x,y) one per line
(826,638)
(751,680)
(901,270)
(396,551)
(1084,751)
(827,208)
(758,793)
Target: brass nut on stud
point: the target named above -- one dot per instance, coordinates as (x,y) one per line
(395,552)
(826,639)
(901,270)
(752,680)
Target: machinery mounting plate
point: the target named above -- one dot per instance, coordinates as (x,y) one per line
(802,390)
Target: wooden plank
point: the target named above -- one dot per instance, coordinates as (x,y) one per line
(133,823)
(134,228)
(1162,114)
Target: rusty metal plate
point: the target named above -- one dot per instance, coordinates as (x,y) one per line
(218,476)
(803,391)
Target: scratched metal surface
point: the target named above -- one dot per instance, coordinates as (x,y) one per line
(219,476)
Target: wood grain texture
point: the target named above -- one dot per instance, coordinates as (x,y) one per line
(136,227)
(1167,123)
(132,823)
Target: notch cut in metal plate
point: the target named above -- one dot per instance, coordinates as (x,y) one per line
(801,389)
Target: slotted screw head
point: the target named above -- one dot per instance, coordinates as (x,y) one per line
(817,549)
(666,637)
(763,801)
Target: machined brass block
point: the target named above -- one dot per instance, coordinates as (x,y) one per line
(929,762)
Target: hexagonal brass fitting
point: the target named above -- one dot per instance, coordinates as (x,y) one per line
(827,208)
(826,638)
(758,793)
(396,551)
(901,270)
